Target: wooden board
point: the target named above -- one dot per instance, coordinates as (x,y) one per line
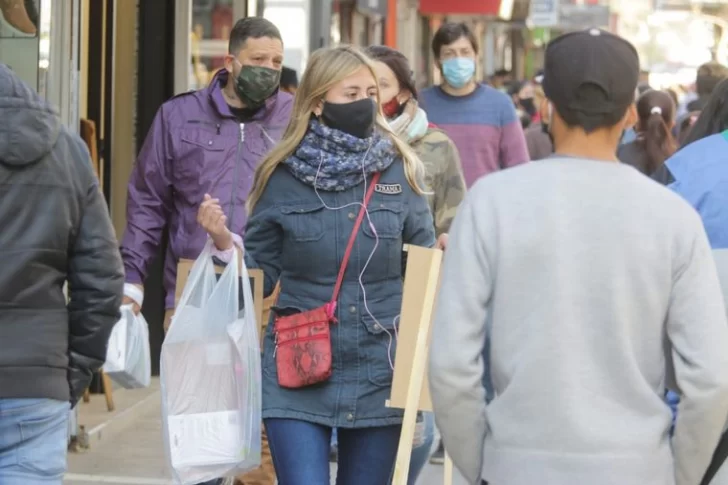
(256,284)
(409,387)
(423,266)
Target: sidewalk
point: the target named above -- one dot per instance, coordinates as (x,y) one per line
(134,454)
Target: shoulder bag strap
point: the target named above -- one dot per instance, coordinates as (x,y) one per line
(719,457)
(352,238)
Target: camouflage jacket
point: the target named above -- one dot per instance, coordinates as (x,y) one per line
(443,176)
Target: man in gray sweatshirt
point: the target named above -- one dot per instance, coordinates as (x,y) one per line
(594,289)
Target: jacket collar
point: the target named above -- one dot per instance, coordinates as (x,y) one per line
(217,99)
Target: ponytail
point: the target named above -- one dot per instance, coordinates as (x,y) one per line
(657,139)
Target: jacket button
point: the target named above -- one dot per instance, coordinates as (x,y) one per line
(377,326)
(350,417)
(352,216)
(352,309)
(209,142)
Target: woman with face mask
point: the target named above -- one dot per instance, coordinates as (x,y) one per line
(331,207)
(443,175)
(522,94)
(398,95)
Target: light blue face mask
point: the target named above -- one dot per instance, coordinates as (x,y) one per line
(458,71)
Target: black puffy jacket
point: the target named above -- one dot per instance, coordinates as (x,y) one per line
(54,229)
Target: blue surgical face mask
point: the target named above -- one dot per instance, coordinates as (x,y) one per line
(458,71)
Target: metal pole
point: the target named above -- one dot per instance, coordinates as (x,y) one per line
(320,24)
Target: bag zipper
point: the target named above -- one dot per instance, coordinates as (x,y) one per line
(307,324)
(318,336)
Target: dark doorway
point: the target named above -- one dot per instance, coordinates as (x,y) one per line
(155,85)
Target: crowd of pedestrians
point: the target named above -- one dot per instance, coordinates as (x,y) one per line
(581,330)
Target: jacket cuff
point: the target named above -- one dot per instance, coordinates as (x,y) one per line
(134,292)
(227,255)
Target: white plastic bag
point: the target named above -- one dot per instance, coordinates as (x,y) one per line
(211,377)
(128,358)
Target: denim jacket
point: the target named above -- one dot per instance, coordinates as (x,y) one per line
(296,240)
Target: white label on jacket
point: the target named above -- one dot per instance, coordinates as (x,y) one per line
(389,189)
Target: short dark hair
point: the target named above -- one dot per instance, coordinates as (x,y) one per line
(709,76)
(289,77)
(398,63)
(713,118)
(448,33)
(251,27)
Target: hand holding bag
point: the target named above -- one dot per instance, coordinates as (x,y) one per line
(303,340)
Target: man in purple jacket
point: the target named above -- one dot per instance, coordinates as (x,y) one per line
(206,141)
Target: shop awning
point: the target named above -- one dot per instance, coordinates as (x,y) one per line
(457,7)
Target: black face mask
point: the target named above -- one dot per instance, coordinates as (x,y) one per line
(355,118)
(528,106)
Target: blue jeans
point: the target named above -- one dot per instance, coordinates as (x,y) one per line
(301,453)
(33,441)
(421,453)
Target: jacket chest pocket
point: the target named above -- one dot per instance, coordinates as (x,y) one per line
(196,155)
(386,219)
(384,229)
(304,222)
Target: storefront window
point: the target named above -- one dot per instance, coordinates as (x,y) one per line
(19,38)
(288,18)
(212,21)
(335,29)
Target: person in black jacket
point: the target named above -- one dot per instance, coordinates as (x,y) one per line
(55,229)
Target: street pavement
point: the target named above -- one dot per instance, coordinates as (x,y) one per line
(135,456)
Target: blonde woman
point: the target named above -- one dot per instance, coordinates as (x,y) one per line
(305,204)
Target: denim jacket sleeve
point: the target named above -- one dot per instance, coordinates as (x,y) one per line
(419,228)
(264,240)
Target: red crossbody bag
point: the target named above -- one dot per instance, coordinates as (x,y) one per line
(303,340)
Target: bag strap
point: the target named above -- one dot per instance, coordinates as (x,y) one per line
(719,456)
(350,244)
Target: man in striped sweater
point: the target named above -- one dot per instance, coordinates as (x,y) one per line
(480,120)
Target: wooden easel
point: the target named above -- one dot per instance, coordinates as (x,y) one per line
(409,387)
(108,392)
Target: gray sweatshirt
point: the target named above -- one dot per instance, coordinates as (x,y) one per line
(590,283)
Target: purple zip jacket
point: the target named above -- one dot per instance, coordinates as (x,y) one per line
(195,146)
